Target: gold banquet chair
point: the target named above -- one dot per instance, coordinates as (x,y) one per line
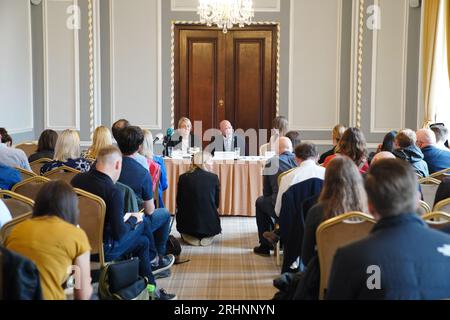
(25,174)
(91,220)
(443,206)
(277,249)
(336,233)
(38,164)
(30,187)
(437,220)
(429,188)
(63,173)
(441,175)
(423,208)
(17,204)
(28,147)
(7,228)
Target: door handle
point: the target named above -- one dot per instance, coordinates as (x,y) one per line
(221,103)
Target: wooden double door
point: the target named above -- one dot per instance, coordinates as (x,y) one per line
(226,76)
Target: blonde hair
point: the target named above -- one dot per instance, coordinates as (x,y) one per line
(102,139)
(338,132)
(68,146)
(147,145)
(200,159)
(183,120)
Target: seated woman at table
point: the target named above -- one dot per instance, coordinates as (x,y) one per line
(183,139)
(197,203)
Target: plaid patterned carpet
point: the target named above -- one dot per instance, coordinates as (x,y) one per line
(228,270)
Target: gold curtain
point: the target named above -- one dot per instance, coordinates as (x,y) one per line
(431,15)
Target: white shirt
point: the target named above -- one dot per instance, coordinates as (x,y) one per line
(185,145)
(5,216)
(228,144)
(307,170)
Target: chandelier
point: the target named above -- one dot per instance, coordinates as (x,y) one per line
(226,13)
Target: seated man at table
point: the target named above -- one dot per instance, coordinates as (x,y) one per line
(157,222)
(265,205)
(228,141)
(198,202)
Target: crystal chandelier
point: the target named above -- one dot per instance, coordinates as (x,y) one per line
(226,13)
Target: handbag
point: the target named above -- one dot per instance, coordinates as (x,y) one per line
(121,281)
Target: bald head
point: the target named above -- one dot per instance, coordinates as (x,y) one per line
(382,155)
(425,138)
(284,145)
(226,128)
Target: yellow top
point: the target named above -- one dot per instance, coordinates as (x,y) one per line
(53,245)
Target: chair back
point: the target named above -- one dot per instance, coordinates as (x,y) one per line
(437,220)
(336,233)
(63,173)
(443,206)
(7,228)
(28,147)
(281,176)
(30,187)
(441,175)
(429,188)
(423,208)
(91,220)
(25,174)
(38,164)
(17,204)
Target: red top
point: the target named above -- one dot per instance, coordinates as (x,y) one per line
(362,168)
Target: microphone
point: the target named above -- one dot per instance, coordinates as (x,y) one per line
(159,137)
(169,134)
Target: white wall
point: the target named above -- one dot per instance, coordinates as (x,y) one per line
(16,87)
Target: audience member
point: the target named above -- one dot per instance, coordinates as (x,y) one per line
(352,145)
(8,177)
(437,159)
(407,150)
(6,139)
(199,188)
(280,126)
(46,146)
(441,133)
(67,153)
(382,155)
(388,145)
(338,132)
(101,139)
(121,237)
(117,126)
(157,222)
(402,259)
(11,157)
(265,205)
(53,242)
(295,138)
(343,192)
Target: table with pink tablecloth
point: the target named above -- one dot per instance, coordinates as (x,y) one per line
(241,183)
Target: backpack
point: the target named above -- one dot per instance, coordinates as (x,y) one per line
(173,246)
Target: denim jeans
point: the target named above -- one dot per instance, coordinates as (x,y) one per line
(134,243)
(156,229)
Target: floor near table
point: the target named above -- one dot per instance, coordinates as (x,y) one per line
(228,270)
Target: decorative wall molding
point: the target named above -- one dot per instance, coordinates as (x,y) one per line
(48,124)
(172,76)
(158,99)
(30,126)
(259,5)
(375,61)
(292,82)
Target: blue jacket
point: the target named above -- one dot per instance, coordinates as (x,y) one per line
(415,157)
(8,177)
(437,159)
(414,263)
(163,184)
(296,202)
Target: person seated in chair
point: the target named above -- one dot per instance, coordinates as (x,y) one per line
(9,177)
(436,158)
(407,150)
(184,139)
(198,202)
(46,146)
(402,258)
(228,141)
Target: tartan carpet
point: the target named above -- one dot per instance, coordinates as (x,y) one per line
(228,270)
